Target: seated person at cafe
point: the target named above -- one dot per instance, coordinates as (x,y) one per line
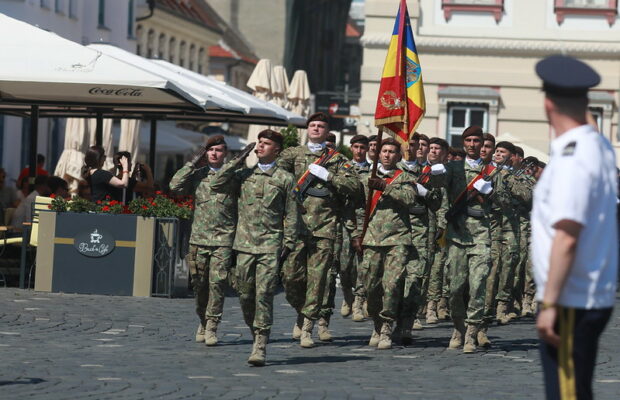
(58,187)
(140,182)
(8,196)
(23,213)
(26,171)
(102,182)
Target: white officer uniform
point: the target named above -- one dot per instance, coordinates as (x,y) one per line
(579,184)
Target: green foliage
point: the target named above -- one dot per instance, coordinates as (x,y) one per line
(345,151)
(291,136)
(81,205)
(58,204)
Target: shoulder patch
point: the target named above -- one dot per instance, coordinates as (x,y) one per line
(346,166)
(569,149)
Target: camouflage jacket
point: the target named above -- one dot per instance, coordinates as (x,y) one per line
(466,229)
(215,214)
(519,195)
(268,215)
(322,213)
(420,209)
(389,223)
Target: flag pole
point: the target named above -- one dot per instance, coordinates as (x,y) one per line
(373,174)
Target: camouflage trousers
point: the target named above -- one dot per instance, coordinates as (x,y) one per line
(257,279)
(416,278)
(525,267)
(349,278)
(209,267)
(384,270)
(437,275)
(469,267)
(306,276)
(507,270)
(492,281)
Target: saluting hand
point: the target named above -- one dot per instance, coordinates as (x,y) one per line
(545,324)
(246,151)
(200,153)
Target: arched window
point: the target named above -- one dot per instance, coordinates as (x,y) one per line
(150,41)
(182,55)
(140,38)
(192,56)
(201,60)
(161,46)
(172,49)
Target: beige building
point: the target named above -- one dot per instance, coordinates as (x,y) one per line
(478,58)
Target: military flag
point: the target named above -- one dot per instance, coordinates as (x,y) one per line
(401,104)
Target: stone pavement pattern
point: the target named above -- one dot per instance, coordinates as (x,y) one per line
(61,346)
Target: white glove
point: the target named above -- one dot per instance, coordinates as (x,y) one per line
(422,191)
(319,172)
(438,169)
(484,187)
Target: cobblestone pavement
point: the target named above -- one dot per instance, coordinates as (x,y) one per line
(60,346)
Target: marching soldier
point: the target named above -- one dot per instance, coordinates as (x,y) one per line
(266,232)
(213,230)
(488,148)
(387,243)
(469,185)
(305,274)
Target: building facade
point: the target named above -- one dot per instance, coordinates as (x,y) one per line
(478,58)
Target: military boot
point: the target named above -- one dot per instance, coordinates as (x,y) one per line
(385,339)
(526,310)
(347,302)
(323,330)
(345,309)
(306,334)
(358,313)
(470,339)
(483,339)
(406,338)
(200,333)
(456,340)
(259,349)
(502,317)
(442,309)
(365,308)
(376,334)
(210,333)
(297,327)
(431,312)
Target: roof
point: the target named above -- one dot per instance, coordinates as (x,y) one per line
(223,51)
(191,10)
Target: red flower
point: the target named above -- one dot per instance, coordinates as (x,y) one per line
(144,207)
(49,206)
(105,208)
(152,203)
(158,192)
(114,202)
(107,197)
(53,196)
(98,201)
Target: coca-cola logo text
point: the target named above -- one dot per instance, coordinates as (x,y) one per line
(116,92)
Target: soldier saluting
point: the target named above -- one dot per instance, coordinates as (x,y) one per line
(213,230)
(305,274)
(265,234)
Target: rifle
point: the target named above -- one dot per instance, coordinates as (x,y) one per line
(460,204)
(302,190)
(524,168)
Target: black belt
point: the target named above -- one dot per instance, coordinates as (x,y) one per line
(417,210)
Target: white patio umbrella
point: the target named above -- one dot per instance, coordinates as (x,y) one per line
(260,83)
(299,99)
(71,160)
(279,86)
(129,139)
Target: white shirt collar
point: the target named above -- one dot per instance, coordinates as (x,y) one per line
(266,167)
(383,170)
(361,164)
(314,147)
(214,169)
(473,163)
(410,164)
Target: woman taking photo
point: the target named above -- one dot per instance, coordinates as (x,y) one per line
(140,182)
(103,183)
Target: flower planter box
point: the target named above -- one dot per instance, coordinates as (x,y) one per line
(109,254)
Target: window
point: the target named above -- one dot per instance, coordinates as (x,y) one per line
(201,60)
(140,39)
(495,7)
(130,20)
(161,46)
(463,115)
(597,113)
(602,105)
(45,4)
(192,56)
(182,54)
(72,8)
(604,8)
(101,14)
(58,6)
(150,41)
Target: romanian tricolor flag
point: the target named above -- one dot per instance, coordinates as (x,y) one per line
(401,104)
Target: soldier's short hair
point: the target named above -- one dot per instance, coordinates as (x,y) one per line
(215,141)
(389,142)
(531,160)
(422,136)
(273,136)
(506,145)
(472,131)
(318,116)
(519,151)
(489,137)
(359,139)
(441,142)
(456,152)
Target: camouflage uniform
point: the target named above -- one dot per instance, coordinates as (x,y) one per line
(387,249)
(524,282)
(418,267)
(437,260)
(213,230)
(305,273)
(268,219)
(469,243)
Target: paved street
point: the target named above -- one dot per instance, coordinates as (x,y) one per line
(59,346)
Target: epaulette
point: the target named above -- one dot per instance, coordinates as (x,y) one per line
(569,149)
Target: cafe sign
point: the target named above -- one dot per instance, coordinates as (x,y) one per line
(94,243)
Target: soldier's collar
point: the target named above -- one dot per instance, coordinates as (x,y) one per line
(266,168)
(315,147)
(473,163)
